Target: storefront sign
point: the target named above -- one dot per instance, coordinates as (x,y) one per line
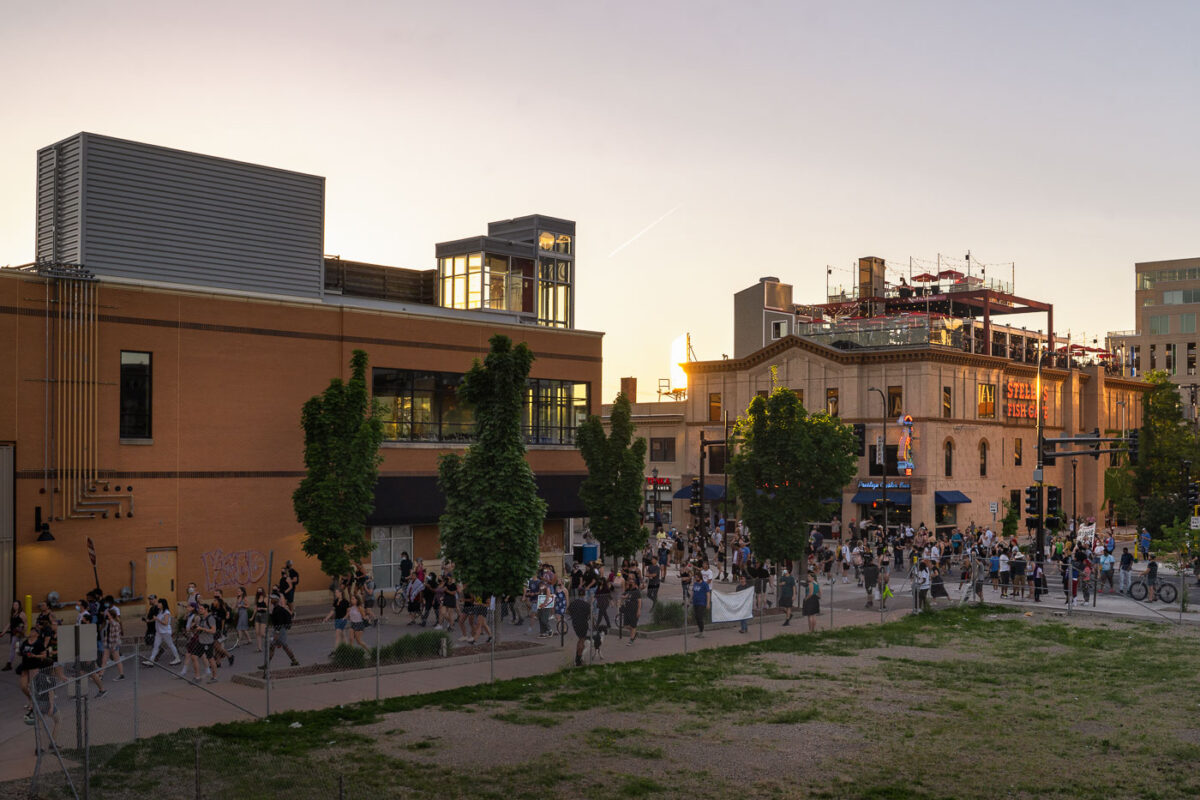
(662,483)
(1020,401)
(879,485)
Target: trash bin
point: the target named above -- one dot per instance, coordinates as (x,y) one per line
(591,552)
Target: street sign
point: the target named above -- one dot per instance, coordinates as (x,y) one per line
(879,451)
(993,507)
(91,551)
(1196,523)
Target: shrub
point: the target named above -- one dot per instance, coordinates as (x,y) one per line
(347,656)
(668,615)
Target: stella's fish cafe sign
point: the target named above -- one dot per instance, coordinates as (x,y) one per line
(1020,401)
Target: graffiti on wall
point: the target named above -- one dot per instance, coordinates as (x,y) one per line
(223,569)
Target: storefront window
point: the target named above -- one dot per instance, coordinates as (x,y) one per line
(392,543)
(987,401)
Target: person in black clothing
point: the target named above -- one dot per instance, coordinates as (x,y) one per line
(429,595)
(579,611)
(653,581)
(281,621)
(870,576)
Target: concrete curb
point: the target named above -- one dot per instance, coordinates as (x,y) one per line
(253,680)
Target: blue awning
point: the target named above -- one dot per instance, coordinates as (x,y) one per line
(864,497)
(712,491)
(950,498)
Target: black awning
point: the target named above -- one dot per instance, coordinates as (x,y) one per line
(417,499)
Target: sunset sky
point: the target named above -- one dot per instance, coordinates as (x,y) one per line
(739,139)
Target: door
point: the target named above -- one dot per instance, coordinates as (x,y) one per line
(7,539)
(160,573)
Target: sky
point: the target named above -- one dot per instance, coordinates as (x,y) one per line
(698,145)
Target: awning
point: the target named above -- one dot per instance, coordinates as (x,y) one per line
(864,497)
(950,498)
(712,491)
(416,499)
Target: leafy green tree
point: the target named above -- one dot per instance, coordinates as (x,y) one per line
(493,517)
(342,434)
(1119,489)
(1011,522)
(1166,442)
(787,461)
(612,492)
(1177,547)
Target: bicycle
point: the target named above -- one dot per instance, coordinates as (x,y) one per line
(1165,592)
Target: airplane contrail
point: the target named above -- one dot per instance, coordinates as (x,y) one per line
(640,233)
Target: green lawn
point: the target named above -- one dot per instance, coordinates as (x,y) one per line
(965,703)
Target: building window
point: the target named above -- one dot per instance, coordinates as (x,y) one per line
(947,403)
(895,401)
(1159,324)
(1191,358)
(948,455)
(1171,351)
(987,401)
(799,395)
(1136,358)
(662,449)
(779,329)
(891,454)
(554,292)
(1153,356)
(391,545)
(983,448)
(831,402)
(714,407)
(763,393)
(484,280)
(554,410)
(136,395)
(1187,323)
(716,459)
(424,406)
(1017,447)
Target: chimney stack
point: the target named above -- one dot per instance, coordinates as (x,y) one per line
(629,389)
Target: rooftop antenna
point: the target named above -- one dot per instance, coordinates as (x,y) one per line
(691,353)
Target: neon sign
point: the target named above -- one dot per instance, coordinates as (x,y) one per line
(904,459)
(1021,401)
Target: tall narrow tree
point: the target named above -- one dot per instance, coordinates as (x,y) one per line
(342,435)
(612,492)
(493,517)
(788,460)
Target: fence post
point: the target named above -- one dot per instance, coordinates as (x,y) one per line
(831,585)
(87,751)
(137,663)
(493,627)
(266,646)
(198,797)
(683,587)
(378,625)
(341,786)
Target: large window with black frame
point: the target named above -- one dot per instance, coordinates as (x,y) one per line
(136,395)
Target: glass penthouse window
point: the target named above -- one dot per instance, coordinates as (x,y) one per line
(486,280)
(423,406)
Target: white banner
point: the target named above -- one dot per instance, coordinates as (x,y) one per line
(732,607)
(1086,535)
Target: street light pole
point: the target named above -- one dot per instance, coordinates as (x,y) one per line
(654,476)
(883,458)
(1074,497)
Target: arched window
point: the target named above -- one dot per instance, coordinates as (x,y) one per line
(949,453)
(983,459)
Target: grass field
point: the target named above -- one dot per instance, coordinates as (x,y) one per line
(965,703)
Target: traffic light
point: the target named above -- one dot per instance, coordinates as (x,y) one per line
(1053,501)
(1193,493)
(1134,435)
(1032,504)
(1096,444)
(1048,454)
(696,505)
(860,439)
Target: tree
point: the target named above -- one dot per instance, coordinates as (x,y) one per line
(342,434)
(612,492)
(1177,548)
(493,517)
(1011,522)
(1166,442)
(787,461)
